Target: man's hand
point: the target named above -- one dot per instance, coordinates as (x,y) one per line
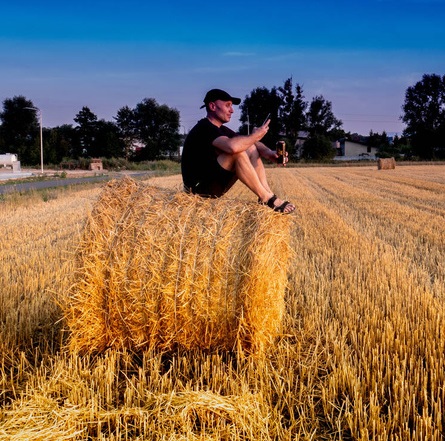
(262,130)
(282,161)
(270,155)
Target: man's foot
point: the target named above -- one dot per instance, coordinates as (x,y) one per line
(280,206)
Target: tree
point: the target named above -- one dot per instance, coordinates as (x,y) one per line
(20,129)
(107,142)
(58,143)
(157,127)
(87,131)
(424,116)
(292,111)
(402,147)
(318,148)
(290,115)
(377,140)
(96,138)
(256,107)
(287,98)
(321,119)
(126,124)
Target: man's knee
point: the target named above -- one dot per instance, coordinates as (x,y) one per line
(226,161)
(253,153)
(229,161)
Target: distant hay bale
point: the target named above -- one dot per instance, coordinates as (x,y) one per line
(386,163)
(164,270)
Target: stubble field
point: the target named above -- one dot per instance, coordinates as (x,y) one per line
(361,355)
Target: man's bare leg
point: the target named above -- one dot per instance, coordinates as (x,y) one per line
(258,165)
(251,173)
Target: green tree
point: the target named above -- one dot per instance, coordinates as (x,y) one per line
(397,148)
(320,117)
(20,129)
(377,140)
(318,148)
(292,110)
(402,146)
(87,132)
(126,124)
(255,108)
(58,142)
(97,138)
(424,116)
(107,142)
(157,127)
(287,97)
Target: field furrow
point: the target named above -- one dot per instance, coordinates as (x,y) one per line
(415,233)
(361,355)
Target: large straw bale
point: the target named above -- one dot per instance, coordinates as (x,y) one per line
(386,164)
(163,270)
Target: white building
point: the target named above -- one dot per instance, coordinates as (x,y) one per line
(10,160)
(354,151)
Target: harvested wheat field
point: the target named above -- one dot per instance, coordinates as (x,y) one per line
(358,351)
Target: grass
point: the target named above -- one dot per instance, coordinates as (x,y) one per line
(362,355)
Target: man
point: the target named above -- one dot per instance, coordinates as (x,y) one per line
(214,157)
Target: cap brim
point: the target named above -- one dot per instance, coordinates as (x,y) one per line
(234,100)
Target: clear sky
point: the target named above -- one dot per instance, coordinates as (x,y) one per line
(360,55)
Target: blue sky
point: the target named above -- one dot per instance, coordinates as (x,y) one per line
(359,55)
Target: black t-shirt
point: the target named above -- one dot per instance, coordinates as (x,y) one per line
(199,154)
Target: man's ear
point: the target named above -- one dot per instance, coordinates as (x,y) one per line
(212,106)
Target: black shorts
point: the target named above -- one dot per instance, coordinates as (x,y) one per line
(215,183)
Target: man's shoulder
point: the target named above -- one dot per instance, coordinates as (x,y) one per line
(203,122)
(203,126)
(227,131)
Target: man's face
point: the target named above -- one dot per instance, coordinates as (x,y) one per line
(222,110)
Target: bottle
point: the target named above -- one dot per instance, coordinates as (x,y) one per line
(281,152)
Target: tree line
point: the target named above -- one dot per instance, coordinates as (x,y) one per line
(151,131)
(147,132)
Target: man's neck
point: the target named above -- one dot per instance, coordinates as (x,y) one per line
(216,122)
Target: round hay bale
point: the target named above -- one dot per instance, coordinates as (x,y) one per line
(164,270)
(386,164)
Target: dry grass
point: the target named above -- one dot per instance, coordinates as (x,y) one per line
(165,270)
(361,356)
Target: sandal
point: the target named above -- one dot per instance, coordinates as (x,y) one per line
(279,208)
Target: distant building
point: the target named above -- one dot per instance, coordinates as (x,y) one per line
(347,150)
(96,164)
(354,151)
(10,160)
(301,138)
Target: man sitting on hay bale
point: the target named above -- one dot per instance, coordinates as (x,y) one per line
(215,157)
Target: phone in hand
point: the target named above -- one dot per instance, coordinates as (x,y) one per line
(267,117)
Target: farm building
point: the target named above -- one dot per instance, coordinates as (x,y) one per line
(346,150)
(10,160)
(354,151)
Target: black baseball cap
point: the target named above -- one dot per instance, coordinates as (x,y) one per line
(218,94)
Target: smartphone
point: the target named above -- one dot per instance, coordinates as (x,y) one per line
(267,117)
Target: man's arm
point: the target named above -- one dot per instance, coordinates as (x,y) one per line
(265,152)
(240,143)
